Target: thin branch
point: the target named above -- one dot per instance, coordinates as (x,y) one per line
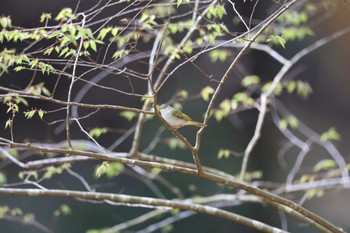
(207,176)
(266,95)
(72,83)
(144,201)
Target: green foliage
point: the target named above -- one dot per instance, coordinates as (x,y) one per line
(206,92)
(295,33)
(179,2)
(3,178)
(5,22)
(45,17)
(168,228)
(224,153)
(255,175)
(303,89)
(52,170)
(325,164)
(155,171)
(312,193)
(224,110)
(250,80)
(65,14)
(277,40)
(8,123)
(119,54)
(30,114)
(8,211)
(111,170)
(148,21)
(179,26)
(38,89)
(278,89)
(216,11)
(62,210)
(24,174)
(241,99)
(330,134)
(97,132)
(218,55)
(290,121)
(128,115)
(174,143)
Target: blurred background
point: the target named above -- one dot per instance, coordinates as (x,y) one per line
(326,70)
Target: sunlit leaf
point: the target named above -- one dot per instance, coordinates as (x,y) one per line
(324,164)
(206,92)
(330,134)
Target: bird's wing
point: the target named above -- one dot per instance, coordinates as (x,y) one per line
(181,115)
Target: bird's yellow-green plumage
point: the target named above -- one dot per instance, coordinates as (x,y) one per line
(176,118)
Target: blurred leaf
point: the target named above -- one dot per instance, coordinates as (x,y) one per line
(325,164)
(218,55)
(277,40)
(224,153)
(111,170)
(97,132)
(174,143)
(331,134)
(155,171)
(3,211)
(51,170)
(206,92)
(290,121)
(3,179)
(114,169)
(101,169)
(128,115)
(250,80)
(62,210)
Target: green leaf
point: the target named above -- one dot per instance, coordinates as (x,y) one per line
(100,170)
(174,143)
(303,89)
(290,121)
(93,45)
(206,92)
(111,170)
(325,164)
(51,170)
(331,134)
(45,16)
(218,55)
(114,169)
(62,210)
(128,115)
(29,114)
(224,110)
(241,98)
(65,14)
(3,179)
(278,40)
(250,80)
(155,171)
(291,86)
(97,132)
(224,153)
(283,124)
(179,2)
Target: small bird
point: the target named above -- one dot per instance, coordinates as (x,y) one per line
(176,118)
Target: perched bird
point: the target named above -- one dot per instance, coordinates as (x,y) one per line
(176,118)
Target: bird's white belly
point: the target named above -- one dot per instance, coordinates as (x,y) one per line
(173,121)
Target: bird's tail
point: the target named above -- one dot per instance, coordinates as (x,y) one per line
(196,123)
